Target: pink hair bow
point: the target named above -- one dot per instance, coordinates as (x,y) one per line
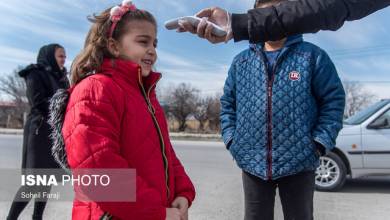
(117,13)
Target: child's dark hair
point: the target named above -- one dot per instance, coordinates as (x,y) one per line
(95,47)
(258,2)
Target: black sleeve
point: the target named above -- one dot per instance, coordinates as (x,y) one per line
(36,93)
(300,16)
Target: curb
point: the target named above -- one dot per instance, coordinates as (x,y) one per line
(11,131)
(195,137)
(172,135)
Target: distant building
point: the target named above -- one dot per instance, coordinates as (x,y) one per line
(11,115)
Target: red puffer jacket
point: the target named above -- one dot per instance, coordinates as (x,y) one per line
(113,120)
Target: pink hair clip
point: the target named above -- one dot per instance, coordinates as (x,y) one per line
(117,13)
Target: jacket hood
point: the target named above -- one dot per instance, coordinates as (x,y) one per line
(32,67)
(46,57)
(58,104)
(45,61)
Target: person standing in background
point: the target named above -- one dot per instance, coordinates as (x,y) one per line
(43,79)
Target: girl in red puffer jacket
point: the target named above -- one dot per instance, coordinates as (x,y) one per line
(111,118)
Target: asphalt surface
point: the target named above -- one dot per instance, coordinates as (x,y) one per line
(219,187)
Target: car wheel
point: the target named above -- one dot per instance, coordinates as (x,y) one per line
(331,174)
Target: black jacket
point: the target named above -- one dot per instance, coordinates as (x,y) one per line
(42,80)
(300,16)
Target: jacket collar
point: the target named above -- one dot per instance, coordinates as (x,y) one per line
(129,71)
(291,40)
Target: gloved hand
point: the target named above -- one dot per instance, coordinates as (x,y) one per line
(215,15)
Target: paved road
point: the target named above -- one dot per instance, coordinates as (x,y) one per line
(219,190)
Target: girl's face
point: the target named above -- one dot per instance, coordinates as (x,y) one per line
(139,45)
(60,56)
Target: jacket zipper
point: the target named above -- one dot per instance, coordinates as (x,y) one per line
(269,108)
(270,82)
(162,144)
(105,216)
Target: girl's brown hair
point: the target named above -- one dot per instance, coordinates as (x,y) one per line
(90,59)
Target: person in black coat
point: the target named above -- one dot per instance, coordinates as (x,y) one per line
(286,19)
(43,79)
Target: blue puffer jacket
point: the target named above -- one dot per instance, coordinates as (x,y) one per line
(271,125)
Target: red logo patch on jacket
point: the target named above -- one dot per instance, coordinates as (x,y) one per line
(294,76)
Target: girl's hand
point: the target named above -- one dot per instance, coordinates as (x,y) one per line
(181,203)
(173,214)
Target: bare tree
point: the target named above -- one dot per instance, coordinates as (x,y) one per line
(213,111)
(163,95)
(357,97)
(182,103)
(14,88)
(200,113)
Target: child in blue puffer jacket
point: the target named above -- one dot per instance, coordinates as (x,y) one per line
(282,108)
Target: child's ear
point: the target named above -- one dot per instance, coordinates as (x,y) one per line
(113,47)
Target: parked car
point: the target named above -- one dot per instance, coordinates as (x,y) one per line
(362,149)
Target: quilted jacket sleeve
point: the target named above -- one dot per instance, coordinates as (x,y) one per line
(330,96)
(94,119)
(183,184)
(228,107)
